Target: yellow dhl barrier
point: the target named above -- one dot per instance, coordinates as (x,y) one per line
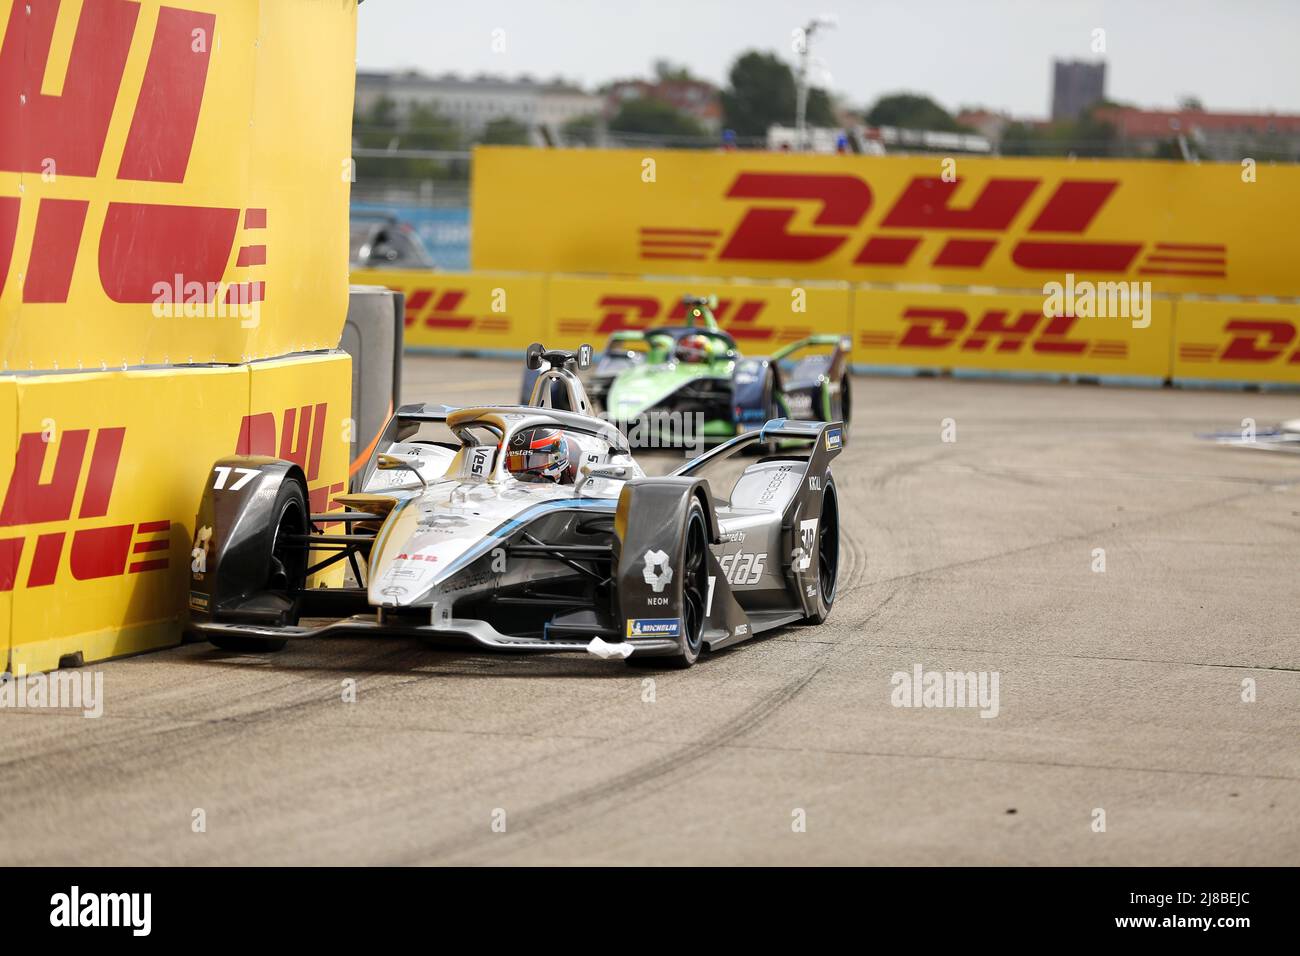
(1005,332)
(481,311)
(997,222)
(171,189)
(1237,341)
(102,477)
(987,330)
(760,316)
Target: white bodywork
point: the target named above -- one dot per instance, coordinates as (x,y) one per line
(471,506)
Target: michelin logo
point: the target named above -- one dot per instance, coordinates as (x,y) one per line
(834,439)
(654,627)
(656,572)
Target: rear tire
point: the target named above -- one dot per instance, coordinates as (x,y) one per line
(828,554)
(692,570)
(286,570)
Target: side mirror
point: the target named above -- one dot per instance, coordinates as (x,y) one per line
(394,463)
(584,356)
(533,356)
(611,472)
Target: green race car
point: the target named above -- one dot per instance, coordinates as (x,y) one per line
(655,378)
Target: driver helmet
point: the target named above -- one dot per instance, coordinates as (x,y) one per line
(541,454)
(693,348)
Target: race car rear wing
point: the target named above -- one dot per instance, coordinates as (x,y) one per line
(825,438)
(807,370)
(842,344)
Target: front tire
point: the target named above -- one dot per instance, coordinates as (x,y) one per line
(286,570)
(828,555)
(692,569)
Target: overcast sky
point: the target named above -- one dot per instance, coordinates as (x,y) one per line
(1233,54)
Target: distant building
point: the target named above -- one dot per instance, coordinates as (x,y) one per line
(987,123)
(1221,136)
(696,98)
(473,103)
(1076,85)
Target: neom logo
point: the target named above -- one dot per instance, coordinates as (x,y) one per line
(74,909)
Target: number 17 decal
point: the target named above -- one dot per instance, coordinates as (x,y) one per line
(223,472)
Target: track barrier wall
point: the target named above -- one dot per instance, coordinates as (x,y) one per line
(928,262)
(490,311)
(97,512)
(1217,341)
(1006,223)
(174,182)
(1002,332)
(893,329)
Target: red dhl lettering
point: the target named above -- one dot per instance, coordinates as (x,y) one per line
(434,309)
(994,331)
(301,441)
(141,244)
(841,204)
(740,318)
(1253,341)
(94,552)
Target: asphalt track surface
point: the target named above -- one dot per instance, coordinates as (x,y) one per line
(1119,691)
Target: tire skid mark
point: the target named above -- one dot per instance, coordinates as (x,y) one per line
(556,816)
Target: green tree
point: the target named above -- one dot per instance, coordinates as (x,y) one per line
(581,129)
(667,70)
(505,132)
(762,94)
(912,111)
(383,127)
(1087,136)
(647,116)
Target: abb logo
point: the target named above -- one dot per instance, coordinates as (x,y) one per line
(431,309)
(140,244)
(840,204)
(995,331)
(1249,340)
(740,318)
(300,439)
(94,552)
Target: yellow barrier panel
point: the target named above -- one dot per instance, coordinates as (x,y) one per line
(177,190)
(1005,223)
(760,316)
(299,411)
(1237,341)
(102,564)
(1004,332)
(97,511)
(479,311)
(10,541)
